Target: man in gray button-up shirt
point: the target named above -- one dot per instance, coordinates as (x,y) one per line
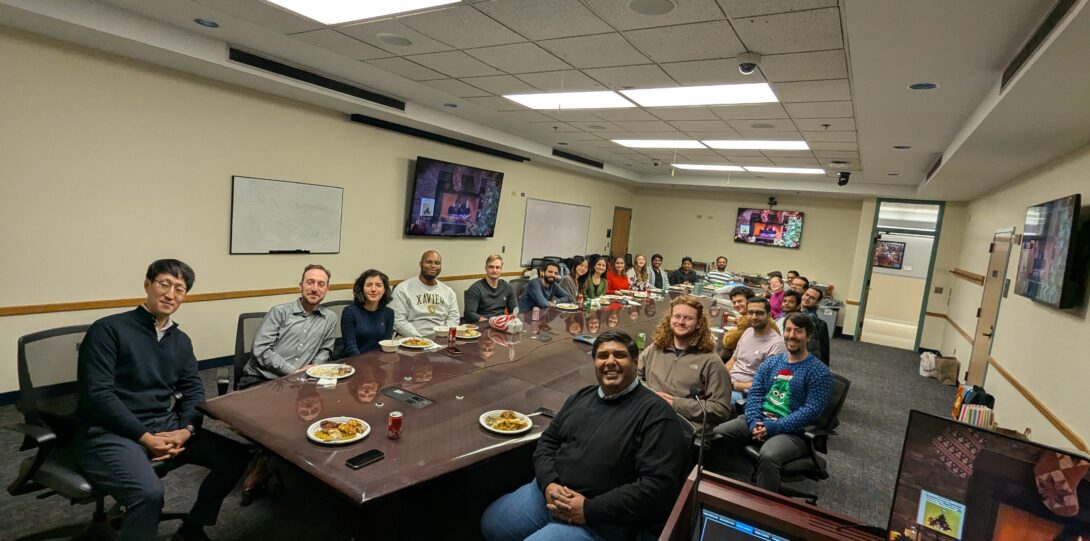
(294,335)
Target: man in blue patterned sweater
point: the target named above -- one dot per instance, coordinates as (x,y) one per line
(789,393)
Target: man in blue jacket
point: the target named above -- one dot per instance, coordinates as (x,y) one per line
(545,291)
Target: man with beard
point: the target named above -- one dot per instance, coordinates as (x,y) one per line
(423,302)
(545,291)
(758,343)
(491,295)
(789,393)
(739,300)
(682,356)
(798,284)
(790,303)
(819,340)
(608,466)
(720,274)
(659,277)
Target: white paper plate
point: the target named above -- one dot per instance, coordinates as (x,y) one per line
(403,343)
(496,413)
(315,371)
(469,337)
(567,306)
(318,424)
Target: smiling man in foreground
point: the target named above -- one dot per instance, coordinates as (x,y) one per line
(608,466)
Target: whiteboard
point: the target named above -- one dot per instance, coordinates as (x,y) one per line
(275,216)
(554,229)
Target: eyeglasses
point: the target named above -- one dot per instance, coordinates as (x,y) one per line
(679,317)
(166,285)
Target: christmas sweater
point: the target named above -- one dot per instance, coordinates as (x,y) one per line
(788,397)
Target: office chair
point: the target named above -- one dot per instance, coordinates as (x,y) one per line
(518,284)
(337,307)
(248,323)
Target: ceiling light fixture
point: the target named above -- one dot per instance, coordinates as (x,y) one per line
(741,144)
(838,164)
(207,23)
(394,39)
(786,170)
(603,99)
(702,95)
(707,167)
(651,8)
(922,86)
(659,143)
(343,12)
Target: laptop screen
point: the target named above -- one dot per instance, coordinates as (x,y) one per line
(718,527)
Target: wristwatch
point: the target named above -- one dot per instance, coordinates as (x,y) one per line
(192,429)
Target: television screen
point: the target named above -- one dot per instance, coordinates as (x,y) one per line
(959,482)
(769,227)
(1046,263)
(452,200)
(889,254)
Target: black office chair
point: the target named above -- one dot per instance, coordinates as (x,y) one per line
(50,358)
(628,261)
(811,466)
(338,341)
(518,284)
(248,323)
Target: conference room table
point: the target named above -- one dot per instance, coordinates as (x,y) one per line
(539,367)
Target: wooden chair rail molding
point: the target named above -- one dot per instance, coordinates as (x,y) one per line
(1041,407)
(973,277)
(196,297)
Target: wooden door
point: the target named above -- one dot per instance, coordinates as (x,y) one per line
(988,313)
(622,221)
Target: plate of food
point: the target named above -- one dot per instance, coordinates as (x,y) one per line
(468,333)
(416,343)
(611,297)
(338,430)
(567,306)
(337,371)
(506,422)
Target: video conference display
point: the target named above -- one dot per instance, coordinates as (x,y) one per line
(452,200)
(1048,252)
(769,227)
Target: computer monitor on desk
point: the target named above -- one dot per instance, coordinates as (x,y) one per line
(715,526)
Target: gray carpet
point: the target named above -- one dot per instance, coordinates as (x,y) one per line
(863,461)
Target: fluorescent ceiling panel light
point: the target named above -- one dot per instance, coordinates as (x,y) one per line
(659,143)
(603,99)
(699,167)
(758,145)
(702,95)
(787,170)
(338,11)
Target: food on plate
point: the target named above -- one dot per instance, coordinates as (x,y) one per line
(329,371)
(468,333)
(567,306)
(330,430)
(507,421)
(416,342)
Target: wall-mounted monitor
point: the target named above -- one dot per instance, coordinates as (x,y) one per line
(889,254)
(1046,267)
(453,200)
(781,228)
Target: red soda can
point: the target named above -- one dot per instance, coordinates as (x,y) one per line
(725,323)
(579,300)
(452,335)
(393,425)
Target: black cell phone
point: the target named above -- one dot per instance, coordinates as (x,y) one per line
(546,412)
(361,460)
(453,350)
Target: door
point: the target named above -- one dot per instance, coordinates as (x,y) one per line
(994,287)
(622,221)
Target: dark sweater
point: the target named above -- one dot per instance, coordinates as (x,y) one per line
(627,456)
(679,276)
(483,301)
(362,330)
(126,376)
(537,294)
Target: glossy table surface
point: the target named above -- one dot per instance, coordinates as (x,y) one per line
(539,367)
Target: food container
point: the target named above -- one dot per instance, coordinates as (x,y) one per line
(389,346)
(441,331)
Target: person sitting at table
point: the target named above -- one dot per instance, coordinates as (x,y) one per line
(757,343)
(616,279)
(574,282)
(775,287)
(609,465)
(596,284)
(685,274)
(639,277)
(799,284)
(719,274)
(819,339)
(792,302)
(128,367)
(791,275)
(491,295)
(369,319)
(739,299)
(682,356)
(422,302)
(789,393)
(543,291)
(659,277)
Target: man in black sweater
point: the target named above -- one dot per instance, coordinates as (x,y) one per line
(608,466)
(129,366)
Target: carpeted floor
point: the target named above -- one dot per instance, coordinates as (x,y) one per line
(863,461)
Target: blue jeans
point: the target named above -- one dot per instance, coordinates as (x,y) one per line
(522,515)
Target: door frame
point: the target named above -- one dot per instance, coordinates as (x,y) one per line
(857,333)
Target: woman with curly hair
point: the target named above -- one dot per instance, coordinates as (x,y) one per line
(682,356)
(368,320)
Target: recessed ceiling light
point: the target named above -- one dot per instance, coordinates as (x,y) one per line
(901,147)
(208,23)
(603,99)
(343,12)
(451,105)
(651,7)
(702,95)
(741,144)
(394,39)
(787,170)
(699,167)
(659,143)
(762,126)
(923,86)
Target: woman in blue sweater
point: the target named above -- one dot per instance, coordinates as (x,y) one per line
(368,320)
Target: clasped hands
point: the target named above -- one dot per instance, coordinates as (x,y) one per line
(565,504)
(164,445)
(759,431)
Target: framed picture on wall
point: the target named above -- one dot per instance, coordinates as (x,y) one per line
(889,254)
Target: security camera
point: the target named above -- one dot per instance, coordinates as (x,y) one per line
(772,202)
(748,62)
(842,178)
(656,163)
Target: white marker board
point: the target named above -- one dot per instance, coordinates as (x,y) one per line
(275,216)
(554,229)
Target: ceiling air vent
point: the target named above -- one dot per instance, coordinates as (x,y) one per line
(934,167)
(1054,17)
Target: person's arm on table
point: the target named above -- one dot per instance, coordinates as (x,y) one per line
(454,315)
(473,301)
(401,306)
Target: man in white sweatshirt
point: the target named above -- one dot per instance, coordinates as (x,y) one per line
(423,302)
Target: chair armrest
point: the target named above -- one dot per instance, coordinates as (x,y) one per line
(41,435)
(813,433)
(818,439)
(45,440)
(223,380)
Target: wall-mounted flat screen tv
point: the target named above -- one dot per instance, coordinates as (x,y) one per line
(889,254)
(1047,263)
(453,200)
(781,228)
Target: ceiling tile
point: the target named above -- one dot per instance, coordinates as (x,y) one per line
(455,64)
(553,126)
(523,116)
(740,154)
(834,124)
(820,109)
(583,136)
(700,125)
(645,126)
(630,115)
(598,51)
(708,72)
(683,113)
(263,14)
(834,136)
(649,76)
(597,126)
(578,115)
(545,19)
(621,17)
(746,112)
(405,68)
(462,27)
(497,104)
(456,88)
(330,39)
(813,30)
(795,162)
(837,154)
(752,160)
(766,125)
(501,84)
(368,33)
(830,90)
(805,66)
(519,58)
(851,165)
(775,154)
(748,8)
(561,81)
(823,145)
(700,41)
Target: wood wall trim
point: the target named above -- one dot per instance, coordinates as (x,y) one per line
(973,277)
(196,297)
(851,302)
(1061,426)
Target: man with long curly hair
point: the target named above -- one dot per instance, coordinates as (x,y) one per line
(682,356)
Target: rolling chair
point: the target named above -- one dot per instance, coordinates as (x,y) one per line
(248,323)
(50,358)
(518,284)
(337,307)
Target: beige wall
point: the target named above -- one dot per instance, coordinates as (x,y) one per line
(946,259)
(107,164)
(854,292)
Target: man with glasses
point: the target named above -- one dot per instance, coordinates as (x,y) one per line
(423,302)
(759,342)
(129,366)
